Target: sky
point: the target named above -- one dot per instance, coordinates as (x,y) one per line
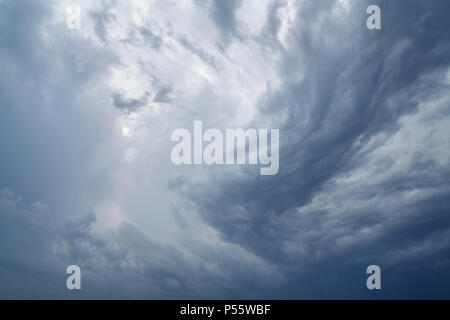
(86,177)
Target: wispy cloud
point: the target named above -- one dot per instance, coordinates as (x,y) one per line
(85,128)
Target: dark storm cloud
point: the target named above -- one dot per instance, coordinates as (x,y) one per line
(363,177)
(355,86)
(35,106)
(34,273)
(125,263)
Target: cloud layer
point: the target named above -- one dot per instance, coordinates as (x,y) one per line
(85,168)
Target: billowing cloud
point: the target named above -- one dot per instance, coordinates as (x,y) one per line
(85,137)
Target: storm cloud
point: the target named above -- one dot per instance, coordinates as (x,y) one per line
(85,170)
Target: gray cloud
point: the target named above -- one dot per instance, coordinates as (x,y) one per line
(364,164)
(354,89)
(223,14)
(199,52)
(123,103)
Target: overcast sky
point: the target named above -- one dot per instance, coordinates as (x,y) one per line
(86,176)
